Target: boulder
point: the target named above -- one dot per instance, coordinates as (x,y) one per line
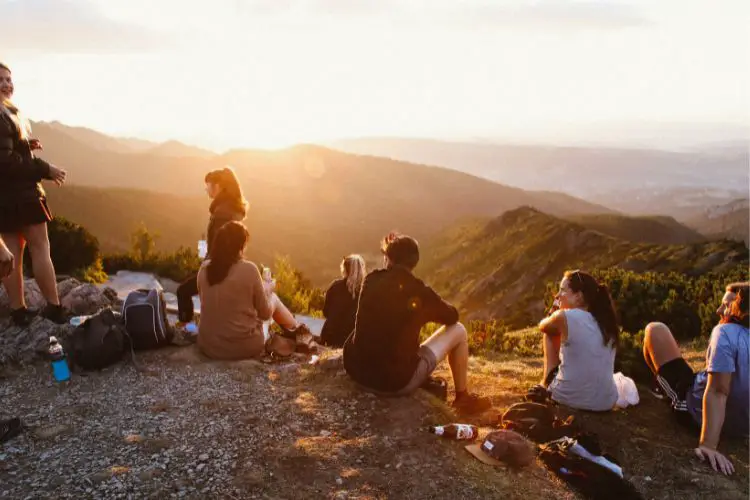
(26,345)
(87,299)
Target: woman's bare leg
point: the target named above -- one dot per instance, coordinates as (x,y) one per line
(659,346)
(281,314)
(452,341)
(41,262)
(551,355)
(14,282)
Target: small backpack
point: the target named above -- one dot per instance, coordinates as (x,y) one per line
(98,342)
(145,315)
(537,422)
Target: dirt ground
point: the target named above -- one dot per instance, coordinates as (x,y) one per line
(253,430)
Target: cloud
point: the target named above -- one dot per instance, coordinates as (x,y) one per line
(69,26)
(466,14)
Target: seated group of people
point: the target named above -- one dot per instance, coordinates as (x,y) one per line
(377,318)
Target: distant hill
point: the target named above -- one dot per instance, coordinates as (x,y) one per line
(729,220)
(312,203)
(661,230)
(500,269)
(636,181)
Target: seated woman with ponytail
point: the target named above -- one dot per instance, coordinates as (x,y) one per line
(235,301)
(579,345)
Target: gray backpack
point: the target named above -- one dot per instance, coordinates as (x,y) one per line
(145,315)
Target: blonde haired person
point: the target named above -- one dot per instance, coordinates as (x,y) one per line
(342,297)
(23,207)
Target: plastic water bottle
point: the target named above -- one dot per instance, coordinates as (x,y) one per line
(60,369)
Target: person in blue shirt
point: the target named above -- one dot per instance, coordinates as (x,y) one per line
(718,398)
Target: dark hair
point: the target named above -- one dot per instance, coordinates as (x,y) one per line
(738,309)
(401,250)
(226,250)
(231,191)
(735,287)
(599,303)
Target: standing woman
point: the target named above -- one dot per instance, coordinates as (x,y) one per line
(23,208)
(227,205)
(342,298)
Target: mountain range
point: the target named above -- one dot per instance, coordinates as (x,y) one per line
(633,181)
(500,268)
(312,203)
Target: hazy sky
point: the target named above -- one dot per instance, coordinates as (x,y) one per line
(265,73)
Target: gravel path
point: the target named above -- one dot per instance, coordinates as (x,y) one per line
(124,434)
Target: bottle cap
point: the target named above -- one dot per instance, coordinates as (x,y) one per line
(53,340)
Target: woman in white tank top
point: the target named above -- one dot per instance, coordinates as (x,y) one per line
(580,341)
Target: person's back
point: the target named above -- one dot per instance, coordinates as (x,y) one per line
(585,379)
(728,352)
(340,311)
(232,313)
(393,307)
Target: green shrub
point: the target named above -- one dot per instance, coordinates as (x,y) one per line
(72,247)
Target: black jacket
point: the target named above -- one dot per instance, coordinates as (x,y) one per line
(222,210)
(394,305)
(340,311)
(20,172)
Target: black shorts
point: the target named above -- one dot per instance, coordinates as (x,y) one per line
(14,217)
(676,379)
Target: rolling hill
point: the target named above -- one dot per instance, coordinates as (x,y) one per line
(729,220)
(500,269)
(309,202)
(661,230)
(634,181)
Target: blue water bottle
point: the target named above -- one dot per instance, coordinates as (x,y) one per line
(60,369)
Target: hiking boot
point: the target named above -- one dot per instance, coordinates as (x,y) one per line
(22,317)
(55,313)
(469,404)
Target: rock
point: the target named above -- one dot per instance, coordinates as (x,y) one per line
(34,297)
(203,457)
(325,433)
(87,299)
(25,345)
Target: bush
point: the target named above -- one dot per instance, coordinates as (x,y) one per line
(73,248)
(294,290)
(177,265)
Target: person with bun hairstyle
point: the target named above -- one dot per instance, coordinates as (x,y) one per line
(227,204)
(580,341)
(24,213)
(384,354)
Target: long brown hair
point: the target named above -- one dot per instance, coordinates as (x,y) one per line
(738,309)
(231,192)
(228,245)
(599,302)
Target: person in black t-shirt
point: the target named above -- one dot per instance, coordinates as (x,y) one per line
(383,353)
(342,297)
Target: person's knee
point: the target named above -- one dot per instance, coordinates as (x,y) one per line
(38,242)
(459,330)
(655,331)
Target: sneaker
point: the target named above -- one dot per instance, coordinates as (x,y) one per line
(304,338)
(22,317)
(469,404)
(55,313)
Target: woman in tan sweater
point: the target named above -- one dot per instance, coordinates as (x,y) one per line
(235,300)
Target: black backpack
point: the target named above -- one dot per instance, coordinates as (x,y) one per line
(538,422)
(145,316)
(98,342)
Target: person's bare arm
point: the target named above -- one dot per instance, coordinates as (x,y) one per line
(555,324)
(714,412)
(6,260)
